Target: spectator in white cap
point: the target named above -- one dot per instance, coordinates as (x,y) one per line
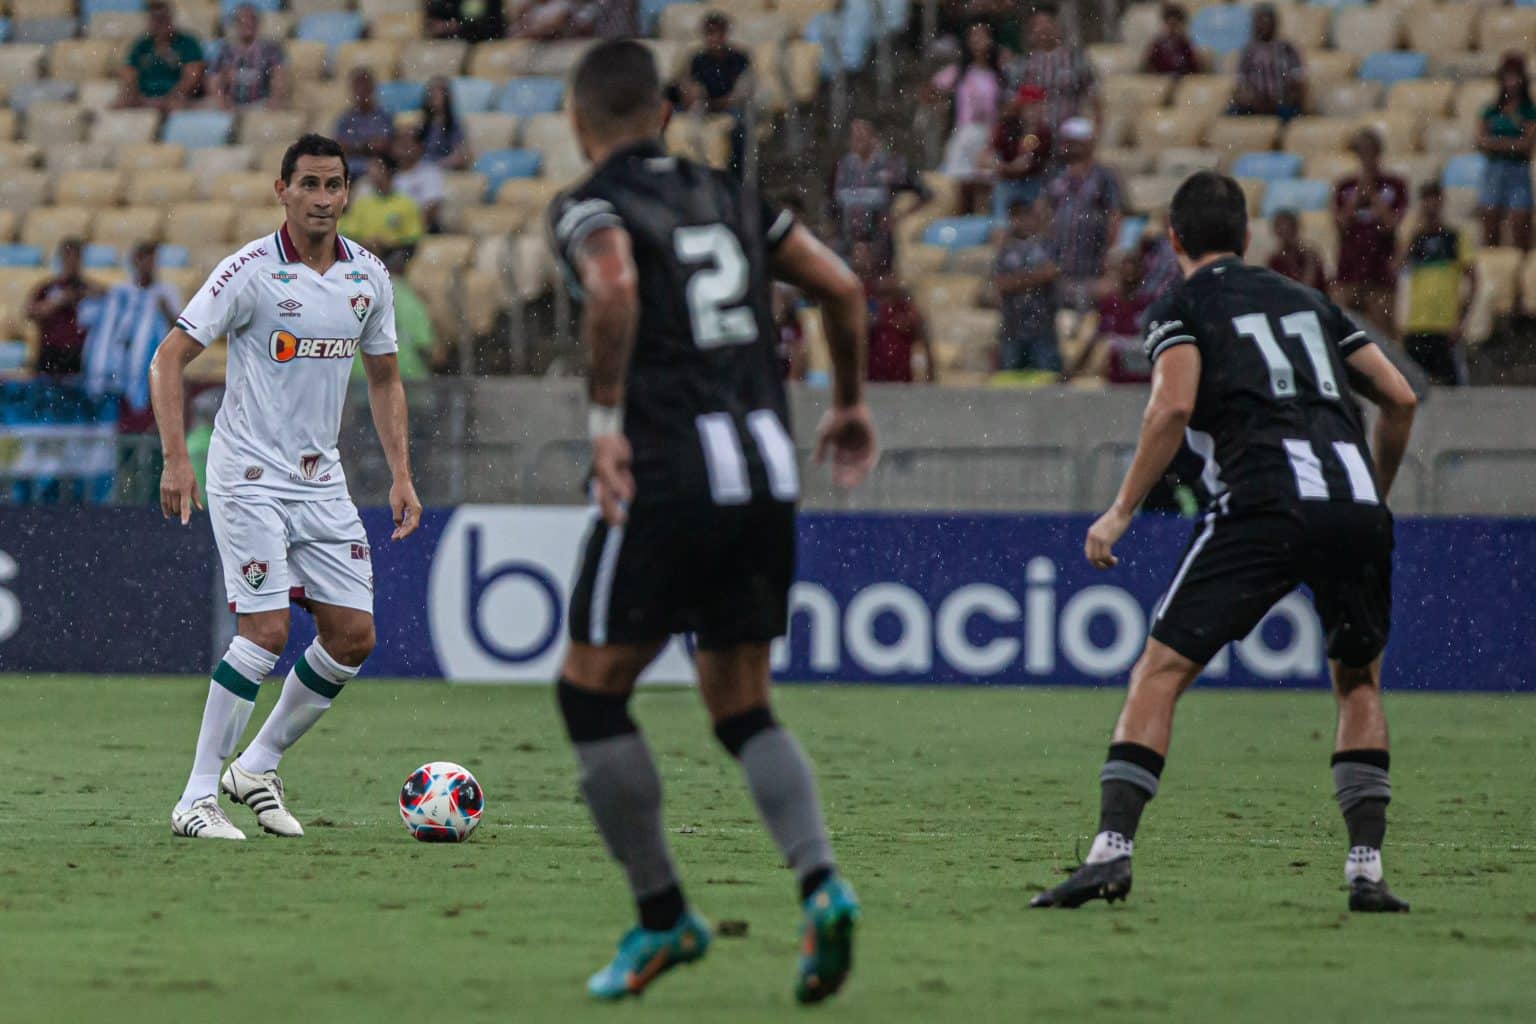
(1087,203)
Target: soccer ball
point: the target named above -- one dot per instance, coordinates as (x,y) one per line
(441,802)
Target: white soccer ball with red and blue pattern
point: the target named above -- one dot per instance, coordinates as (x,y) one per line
(441,803)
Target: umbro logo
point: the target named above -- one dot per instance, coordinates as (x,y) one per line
(290,307)
(284,277)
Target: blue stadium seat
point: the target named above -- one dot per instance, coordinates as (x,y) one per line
(90,7)
(1222,29)
(331,28)
(471,95)
(958,232)
(197,129)
(45,90)
(501,164)
(20,256)
(43,30)
(399,97)
(98,257)
(845,38)
(1464,171)
(650,13)
(527,96)
(5,29)
(1131,230)
(1334,4)
(1267,166)
(172,257)
(1303,195)
(227,7)
(894,15)
(1392,66)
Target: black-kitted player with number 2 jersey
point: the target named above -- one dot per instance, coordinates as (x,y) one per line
(1259,374)
(696,477)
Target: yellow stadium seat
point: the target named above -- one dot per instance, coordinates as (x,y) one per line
(1440,28)
(21,62)
(672,57)
(1497,290)
(63,157)
(1307,135)
(257,221)
(199,223)
(501,59)
(209,164)
(802,70)
(124,226)
(98,94)
(7,125)
(89,188)
(305,59)
(1233,135)
(1401,132)
(1148,193)
(1350,98)
(1306,27)
(1471,99)
(1160,129)
(1415,169)
(1140,24)
(1321,234)
(244,188)
(800,12)
(938,294)
(1423,99)
(463,188)
(1366,30)
(300,8)
(490,221)
(1135,92)
(706,139)
(422,59)
(18,283)
(1115,59)
(1253,189)
(1261,242)
(1329,166)
(151,156)
(531,194)
(380,55)
(47,225)
(1470,66)
(1211,93)
(262,128)
(1500,27)
(1449,136)
(186,281)
(29,10)
(202,20)
(18,156)
(116,25)
(160,188)
(755,29)
(552,136)
(1330,66)
(1182,161)
(124,127)
(1130,161)
(681,21)
(76,60)
(1461,203)
(769,90)
(50,121)
(447,252)
(402,26)
(372,9)
(489,131)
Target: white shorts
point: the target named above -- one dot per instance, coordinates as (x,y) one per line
(274,551)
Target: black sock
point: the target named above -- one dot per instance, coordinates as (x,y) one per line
(1367,823)
(661,911)
(812,881)
(1127,781)
(1364,788)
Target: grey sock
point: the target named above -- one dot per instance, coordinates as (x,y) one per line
(623,792)
(784,789)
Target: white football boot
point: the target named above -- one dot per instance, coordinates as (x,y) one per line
(263,794)
(205,819)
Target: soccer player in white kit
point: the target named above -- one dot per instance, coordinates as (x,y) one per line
(296,306)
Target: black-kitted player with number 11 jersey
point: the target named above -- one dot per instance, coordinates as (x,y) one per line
(696,478)
(1259,374)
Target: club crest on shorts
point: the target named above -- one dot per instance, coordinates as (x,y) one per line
(309,465)
(360,304)
(253,472)
(254,573)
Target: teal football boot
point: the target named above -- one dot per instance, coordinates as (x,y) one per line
(827,945)
(644,956)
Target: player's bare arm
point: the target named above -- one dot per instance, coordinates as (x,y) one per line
(606,265)
(167,393)
(1175,382)
(846,431)
(386,399)
(1386,388)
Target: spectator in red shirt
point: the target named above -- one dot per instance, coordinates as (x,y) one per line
(1021,145)
(1271,79)
(1117,352)
(1368,207)
(1172,53)
(1293,257)
(53,308)
(898,337)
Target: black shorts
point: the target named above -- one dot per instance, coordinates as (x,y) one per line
(1237,566)
(721,572)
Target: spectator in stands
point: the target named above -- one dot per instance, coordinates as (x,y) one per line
(787,302)
(420,354)
(1159,264)
(1025,274)
(1438,266)
(975,82)
(418,179)
(720,81)
(164,68)
(1021,147)
(1271,79)
(1293,257)
(1116,352)
(1368,208)
(1507,138)
(248,70)
(864,189)
(384,219)
(364,129)
(122,335)
(441,136)
(474,21)
(1061,69)
(1172,53)
(572,19)
(55,307)
(898,351)
(1088,205)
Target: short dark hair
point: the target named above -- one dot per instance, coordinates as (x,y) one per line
(388,160)
(71,242)
(1175,12)
(616,82)
(313,144)
(716,20)
(1431,189)
(1049,9)
(1024,205)
(143,248)
(1209,214)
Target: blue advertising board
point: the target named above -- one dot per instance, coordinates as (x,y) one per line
(478,594)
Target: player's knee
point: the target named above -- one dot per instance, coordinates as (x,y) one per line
(735,732)
(592,715)
(1162,669)
(352,644)
(1348,679)
(268,633)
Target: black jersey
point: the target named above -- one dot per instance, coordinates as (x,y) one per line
(1275,418)
(705,410)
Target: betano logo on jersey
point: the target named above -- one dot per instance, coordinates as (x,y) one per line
(284,347)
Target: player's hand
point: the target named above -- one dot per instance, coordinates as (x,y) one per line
(849,435)
(178,489)
(613,479)
(1102,535)
(406,508)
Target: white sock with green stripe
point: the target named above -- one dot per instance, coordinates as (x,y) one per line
(231,698)
(314,681)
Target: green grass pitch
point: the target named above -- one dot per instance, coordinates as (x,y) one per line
(949,808)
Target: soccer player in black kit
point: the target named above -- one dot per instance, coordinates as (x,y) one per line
(696,479)
(1259,374)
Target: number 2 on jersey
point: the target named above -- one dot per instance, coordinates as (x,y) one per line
(1304,327)
(716,290)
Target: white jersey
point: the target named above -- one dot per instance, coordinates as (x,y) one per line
(293,334)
